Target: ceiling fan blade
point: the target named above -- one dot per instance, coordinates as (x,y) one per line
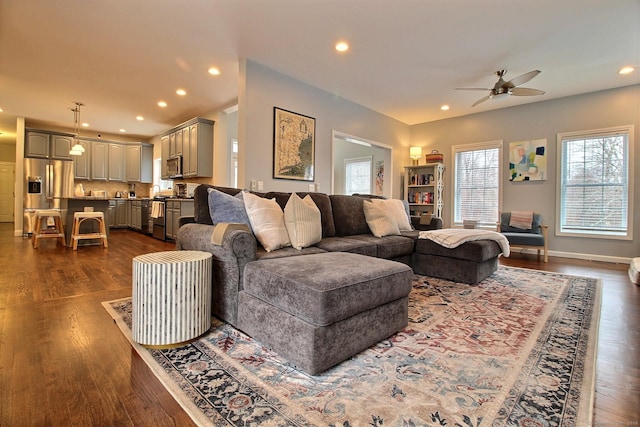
(525,91)
(523,78)
(472,88)
(481,100)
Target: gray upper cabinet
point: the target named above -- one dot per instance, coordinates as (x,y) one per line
(82,164)
(116,164)
(99,161)
(165,142)
(46,145)
(60,147)
(140,163)
(200,150)
(193,140)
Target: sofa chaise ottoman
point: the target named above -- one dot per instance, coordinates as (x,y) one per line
(471,262)
(320,309)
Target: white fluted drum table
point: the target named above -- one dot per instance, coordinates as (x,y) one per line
(171,297)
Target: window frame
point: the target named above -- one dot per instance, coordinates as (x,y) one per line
(364,159)
(595,234)
(477,146)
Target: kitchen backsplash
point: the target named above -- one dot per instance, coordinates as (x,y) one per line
(142,190)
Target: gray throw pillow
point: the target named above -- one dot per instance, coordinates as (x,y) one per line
(226,208)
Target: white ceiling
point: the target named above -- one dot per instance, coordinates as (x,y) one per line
(120,57)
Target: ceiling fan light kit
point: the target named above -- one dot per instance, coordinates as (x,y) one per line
(508,88)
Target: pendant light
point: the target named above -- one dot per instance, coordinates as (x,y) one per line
(77,148)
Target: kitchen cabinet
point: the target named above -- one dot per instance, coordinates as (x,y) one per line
(423,189)
(82,164)
(164,141)
(117,162)
(99,161)
(140,163)
(136,215)
(175,143)
(193,140)
(111,214)
(47,145)
(200,150)
(174,210)
(123,213)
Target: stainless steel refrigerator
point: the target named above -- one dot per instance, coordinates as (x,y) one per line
(47,185)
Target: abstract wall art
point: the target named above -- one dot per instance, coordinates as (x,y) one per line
(528,160)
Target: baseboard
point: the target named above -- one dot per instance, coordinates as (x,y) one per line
(574,255)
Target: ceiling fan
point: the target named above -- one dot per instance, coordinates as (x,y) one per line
(508,88)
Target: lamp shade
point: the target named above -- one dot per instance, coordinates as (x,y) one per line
(415,152)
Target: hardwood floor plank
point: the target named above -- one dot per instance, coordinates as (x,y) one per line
(63,361)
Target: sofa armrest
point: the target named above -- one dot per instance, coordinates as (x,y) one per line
(436,224)
(186,220)
(229,259)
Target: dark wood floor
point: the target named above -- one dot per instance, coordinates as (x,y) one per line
(64,362)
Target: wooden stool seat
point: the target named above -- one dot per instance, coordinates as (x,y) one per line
(79,218)
(56,230)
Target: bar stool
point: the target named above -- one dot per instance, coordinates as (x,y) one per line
(56,230)
(79,218)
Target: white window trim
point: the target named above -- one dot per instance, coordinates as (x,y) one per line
(470,147)
(629,129)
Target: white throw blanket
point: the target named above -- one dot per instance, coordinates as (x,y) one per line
(454,237)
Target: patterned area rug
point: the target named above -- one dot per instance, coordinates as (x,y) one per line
(516,350)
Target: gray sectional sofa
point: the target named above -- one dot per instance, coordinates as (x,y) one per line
(344,229)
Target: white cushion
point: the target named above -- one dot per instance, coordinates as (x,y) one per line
(267,221)
(302,219)
(396,209)
(379,221)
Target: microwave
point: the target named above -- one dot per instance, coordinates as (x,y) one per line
(174,167)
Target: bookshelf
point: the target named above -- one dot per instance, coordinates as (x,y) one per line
(423,188)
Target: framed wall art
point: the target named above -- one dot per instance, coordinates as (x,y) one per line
(294,144)
(528,160)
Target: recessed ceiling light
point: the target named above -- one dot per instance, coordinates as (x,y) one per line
(1,110)
(342,46)
(139,118)
(214,71)
(181,92)
(162,104)
(85,125)
(626,70)
(445,107)
(123,130)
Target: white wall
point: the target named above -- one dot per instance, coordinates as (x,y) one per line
(262,89)
(544,119)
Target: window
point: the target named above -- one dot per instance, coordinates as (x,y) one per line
(357,173)
(595,183)
(233,164)
(476,189)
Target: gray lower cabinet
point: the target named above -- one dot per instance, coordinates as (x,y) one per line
(111,214)
(122,214)
(174,210)
(136,215)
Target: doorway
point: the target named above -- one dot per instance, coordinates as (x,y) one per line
(7,181)
(347,149)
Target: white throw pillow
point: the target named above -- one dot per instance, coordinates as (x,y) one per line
(267,221)
(302,219)
(396,209)
(379,221)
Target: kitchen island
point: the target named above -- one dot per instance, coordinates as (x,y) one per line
(79,204)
